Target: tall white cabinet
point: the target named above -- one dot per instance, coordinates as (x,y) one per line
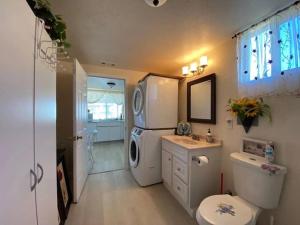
(27,123)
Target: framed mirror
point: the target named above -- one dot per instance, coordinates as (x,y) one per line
(201,100)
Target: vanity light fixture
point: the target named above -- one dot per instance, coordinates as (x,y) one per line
(194,68)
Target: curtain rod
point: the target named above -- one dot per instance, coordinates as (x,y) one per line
(274,14)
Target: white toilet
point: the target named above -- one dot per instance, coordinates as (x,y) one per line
(258,186)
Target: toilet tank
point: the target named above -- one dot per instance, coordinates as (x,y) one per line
(257,181)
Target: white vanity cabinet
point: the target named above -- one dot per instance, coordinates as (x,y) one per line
(187,180)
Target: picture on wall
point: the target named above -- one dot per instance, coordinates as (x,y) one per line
(63,189)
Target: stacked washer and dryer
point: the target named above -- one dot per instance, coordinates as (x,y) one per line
(155,108)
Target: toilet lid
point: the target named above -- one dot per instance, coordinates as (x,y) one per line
(224,210)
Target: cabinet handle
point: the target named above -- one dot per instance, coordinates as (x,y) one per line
(42,173)
(33,175)
(79,137)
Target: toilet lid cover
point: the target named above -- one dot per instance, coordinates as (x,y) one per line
(224,210)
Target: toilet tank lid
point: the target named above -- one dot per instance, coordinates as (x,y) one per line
(256,163)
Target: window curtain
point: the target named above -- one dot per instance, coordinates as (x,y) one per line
(98,96)
(268,56)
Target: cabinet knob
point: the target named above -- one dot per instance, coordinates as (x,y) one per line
(178,188)
(169,159)
(179,169)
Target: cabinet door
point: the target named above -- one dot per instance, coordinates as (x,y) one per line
(45,135)
(17,201)
(167,167)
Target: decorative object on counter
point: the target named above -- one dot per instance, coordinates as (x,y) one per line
(269,152)
(249,109)
(209,138)
(54,24)
(184,128)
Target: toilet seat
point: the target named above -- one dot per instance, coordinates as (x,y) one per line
(223,210)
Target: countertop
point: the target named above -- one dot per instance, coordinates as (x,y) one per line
(190,144)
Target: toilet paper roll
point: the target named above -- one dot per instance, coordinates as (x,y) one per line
(201,160)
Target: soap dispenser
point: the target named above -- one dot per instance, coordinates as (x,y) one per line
(209,138)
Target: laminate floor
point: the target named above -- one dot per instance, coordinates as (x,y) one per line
(108,156)
(114,198)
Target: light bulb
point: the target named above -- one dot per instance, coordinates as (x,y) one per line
(193,67)
(185,70)
(203,61)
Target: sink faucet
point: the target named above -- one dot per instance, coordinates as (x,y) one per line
(196,137)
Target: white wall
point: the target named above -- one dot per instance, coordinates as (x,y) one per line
(131,79)
(284,131)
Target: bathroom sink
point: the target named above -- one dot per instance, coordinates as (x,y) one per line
(189,143)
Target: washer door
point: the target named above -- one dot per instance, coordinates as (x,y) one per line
(137,100)
(134,153)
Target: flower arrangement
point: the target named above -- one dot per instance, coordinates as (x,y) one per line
(248,109)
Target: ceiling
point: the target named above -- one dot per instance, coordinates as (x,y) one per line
(101,83)
(133,35)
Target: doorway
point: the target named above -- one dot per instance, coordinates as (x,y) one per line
(106,123)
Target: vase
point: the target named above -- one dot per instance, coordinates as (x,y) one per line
(247,122)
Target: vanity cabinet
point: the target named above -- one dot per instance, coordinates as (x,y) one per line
(187,180)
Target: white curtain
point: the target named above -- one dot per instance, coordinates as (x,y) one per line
(99,96)
(268,61)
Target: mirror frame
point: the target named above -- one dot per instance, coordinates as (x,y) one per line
(212,78)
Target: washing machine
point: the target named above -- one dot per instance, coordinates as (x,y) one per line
(145,155)
(155,103)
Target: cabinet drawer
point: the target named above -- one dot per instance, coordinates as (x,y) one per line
(180,188)
(181,153)
(180,169)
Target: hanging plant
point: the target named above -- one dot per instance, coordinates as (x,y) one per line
(249,109)
(54,24)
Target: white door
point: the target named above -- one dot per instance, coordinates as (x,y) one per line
(81,166)
(45,134)
(17,200)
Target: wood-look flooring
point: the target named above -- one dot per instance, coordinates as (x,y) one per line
(114,198)
(108,156)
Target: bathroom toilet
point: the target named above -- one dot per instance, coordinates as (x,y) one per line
(258,186)
(226,210)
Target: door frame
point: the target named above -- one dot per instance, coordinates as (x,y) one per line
(126,122)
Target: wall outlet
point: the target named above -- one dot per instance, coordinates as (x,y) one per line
(229,123)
